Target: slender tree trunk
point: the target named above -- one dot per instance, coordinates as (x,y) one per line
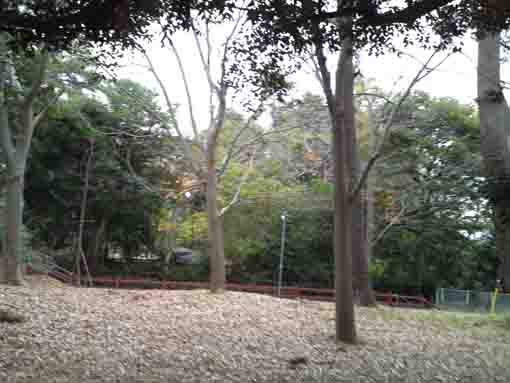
(370,187)
(495,144)
(368,211)
(215,228)
(344,121)
(83,212)
(95,252)
(363,206)
(361,278)
(215,223)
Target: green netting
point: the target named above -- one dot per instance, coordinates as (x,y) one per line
(471,300)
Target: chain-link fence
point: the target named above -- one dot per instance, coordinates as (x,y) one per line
(472,300)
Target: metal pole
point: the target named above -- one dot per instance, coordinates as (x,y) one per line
(282,251)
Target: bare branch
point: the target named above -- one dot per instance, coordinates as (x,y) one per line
(211,91)
(171,109)
(387,228)
(188,93)
(206,66)
(238,135)
(243,179)
(261,137)
(376,95)
(322,72)
(422,73)
(226,46)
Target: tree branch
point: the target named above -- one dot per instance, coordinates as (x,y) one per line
(422,73)
(369,94)
(322,72)
(188,93)
(238,135)
(262,137)
(407,15)
(37,119)
(41,75)
(171,110)
(243,179)
(205,65)
(393,221)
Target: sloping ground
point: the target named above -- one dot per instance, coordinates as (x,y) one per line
(102,335)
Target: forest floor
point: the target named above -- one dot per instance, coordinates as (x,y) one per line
(105,335)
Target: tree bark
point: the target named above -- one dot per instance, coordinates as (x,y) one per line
(215,229)
(16,146)
(344,121)
(12,257)
(83,212)
(361,278)
(215,223)
(495,144)
(370,187)
(366,201)
(95,249)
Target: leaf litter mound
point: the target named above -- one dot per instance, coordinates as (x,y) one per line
(106,335)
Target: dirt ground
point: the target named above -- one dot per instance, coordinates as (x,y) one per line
(104,335)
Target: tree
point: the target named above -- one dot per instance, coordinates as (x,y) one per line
(132,178)
(494,123)
(219,85)
(38,28)
(432,212)
(15,138)
(355,25)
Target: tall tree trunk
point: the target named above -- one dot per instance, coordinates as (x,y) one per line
(215,222)
(370,187)
(215,231)
(495,144)
(12,258)
(15,145)
(361,278)
(361,281)
(344,121)
(366,201)
(83,212)
(95,251)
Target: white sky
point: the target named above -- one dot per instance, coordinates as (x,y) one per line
(455,78)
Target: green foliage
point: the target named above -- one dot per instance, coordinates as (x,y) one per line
(186,273)
(193,229)
(126,192)
(432,175)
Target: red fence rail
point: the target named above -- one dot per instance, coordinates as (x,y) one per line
(389,298)
(286,292)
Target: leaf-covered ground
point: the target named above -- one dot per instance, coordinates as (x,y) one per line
(103,335)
